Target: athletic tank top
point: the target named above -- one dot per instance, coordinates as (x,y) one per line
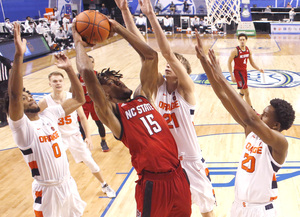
(146,134)
(255,180)
(68,125)
(240,61)
(87,97)
(179,116)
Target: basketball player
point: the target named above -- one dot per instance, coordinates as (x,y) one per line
(175,101)
(162,189)
(37,136)
(69,127)
(88,108)
(265,149)
(240,55)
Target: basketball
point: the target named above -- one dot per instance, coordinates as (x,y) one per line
(93,26)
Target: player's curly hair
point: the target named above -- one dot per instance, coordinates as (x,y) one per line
(4,102)
(106,73)
(284,112)
(184,62)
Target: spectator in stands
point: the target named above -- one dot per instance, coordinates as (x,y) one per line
(195,23)
(62,39)
(158,7)
(168,23)
(203,26)
(292,15)
(140,22)
(104,10)
(56,14)
(172,8)
(66,21)
(42,28)
(54,26)
(27,26)
(8,26)
(288,5)
(185,7)
(268,9)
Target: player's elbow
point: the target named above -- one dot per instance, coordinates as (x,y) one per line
(250,120)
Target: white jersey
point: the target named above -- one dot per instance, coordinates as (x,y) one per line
(179,115)
(68,125)
(40,142)
(255,180)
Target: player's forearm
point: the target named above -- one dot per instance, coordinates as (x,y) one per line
(229,68)
(85,126)
(130,25)
(77,90)
(16,77)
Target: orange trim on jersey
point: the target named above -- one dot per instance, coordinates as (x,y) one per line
(33,165)
(38,193)
(274,178)
(273,198)
(38,213)
(206,171)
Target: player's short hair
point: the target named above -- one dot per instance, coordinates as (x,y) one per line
(105,73)
(185,62)
(243,35)
(284,112)
(4,102)
(55,73)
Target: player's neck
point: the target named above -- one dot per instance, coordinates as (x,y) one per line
(172,85)
(58,96)
(32,116)
(243,48)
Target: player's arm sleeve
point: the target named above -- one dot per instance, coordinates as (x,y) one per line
(23,132)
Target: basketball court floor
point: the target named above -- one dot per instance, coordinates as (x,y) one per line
(221,139)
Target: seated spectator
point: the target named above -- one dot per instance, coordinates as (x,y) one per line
(203,26)
(104,10)
(168,23)
(8,26)
(140,22)
(42,28)
(54,26)
(158,7)
(268,9)
(195,23)
(172,8)
(66,21)
(185,7)
(288,5)
(62,39)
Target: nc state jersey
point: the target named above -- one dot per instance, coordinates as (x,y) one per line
(179,116)
(240,61)
(87,97)
(68,125)
(255,180)
(41,145)
(147,135)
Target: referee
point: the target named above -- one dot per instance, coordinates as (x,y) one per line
(5,66)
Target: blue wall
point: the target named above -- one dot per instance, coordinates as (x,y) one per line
(265,3)
(20,9)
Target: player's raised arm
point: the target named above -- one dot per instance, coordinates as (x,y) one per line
(127,16)
(15,85)
(209,69)
(233,54)
(148,56)
(70,105)
(184,80)
(103,107)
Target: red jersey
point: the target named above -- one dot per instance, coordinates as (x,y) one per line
(147,135)
(87,97)
(240,61)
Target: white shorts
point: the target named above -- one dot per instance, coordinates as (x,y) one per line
(57,200)
(77,147)
(242,209)
(201,187)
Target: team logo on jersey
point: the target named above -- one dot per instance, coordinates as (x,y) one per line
(270,79)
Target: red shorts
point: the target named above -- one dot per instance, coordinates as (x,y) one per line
(164,194)
(88,108)
(241,78)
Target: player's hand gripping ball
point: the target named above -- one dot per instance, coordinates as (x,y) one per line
(93,26)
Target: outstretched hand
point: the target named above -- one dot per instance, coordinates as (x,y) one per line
(122,4)
(62,61)
(214,63)
(199,47)
(146,7)
(20,44)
